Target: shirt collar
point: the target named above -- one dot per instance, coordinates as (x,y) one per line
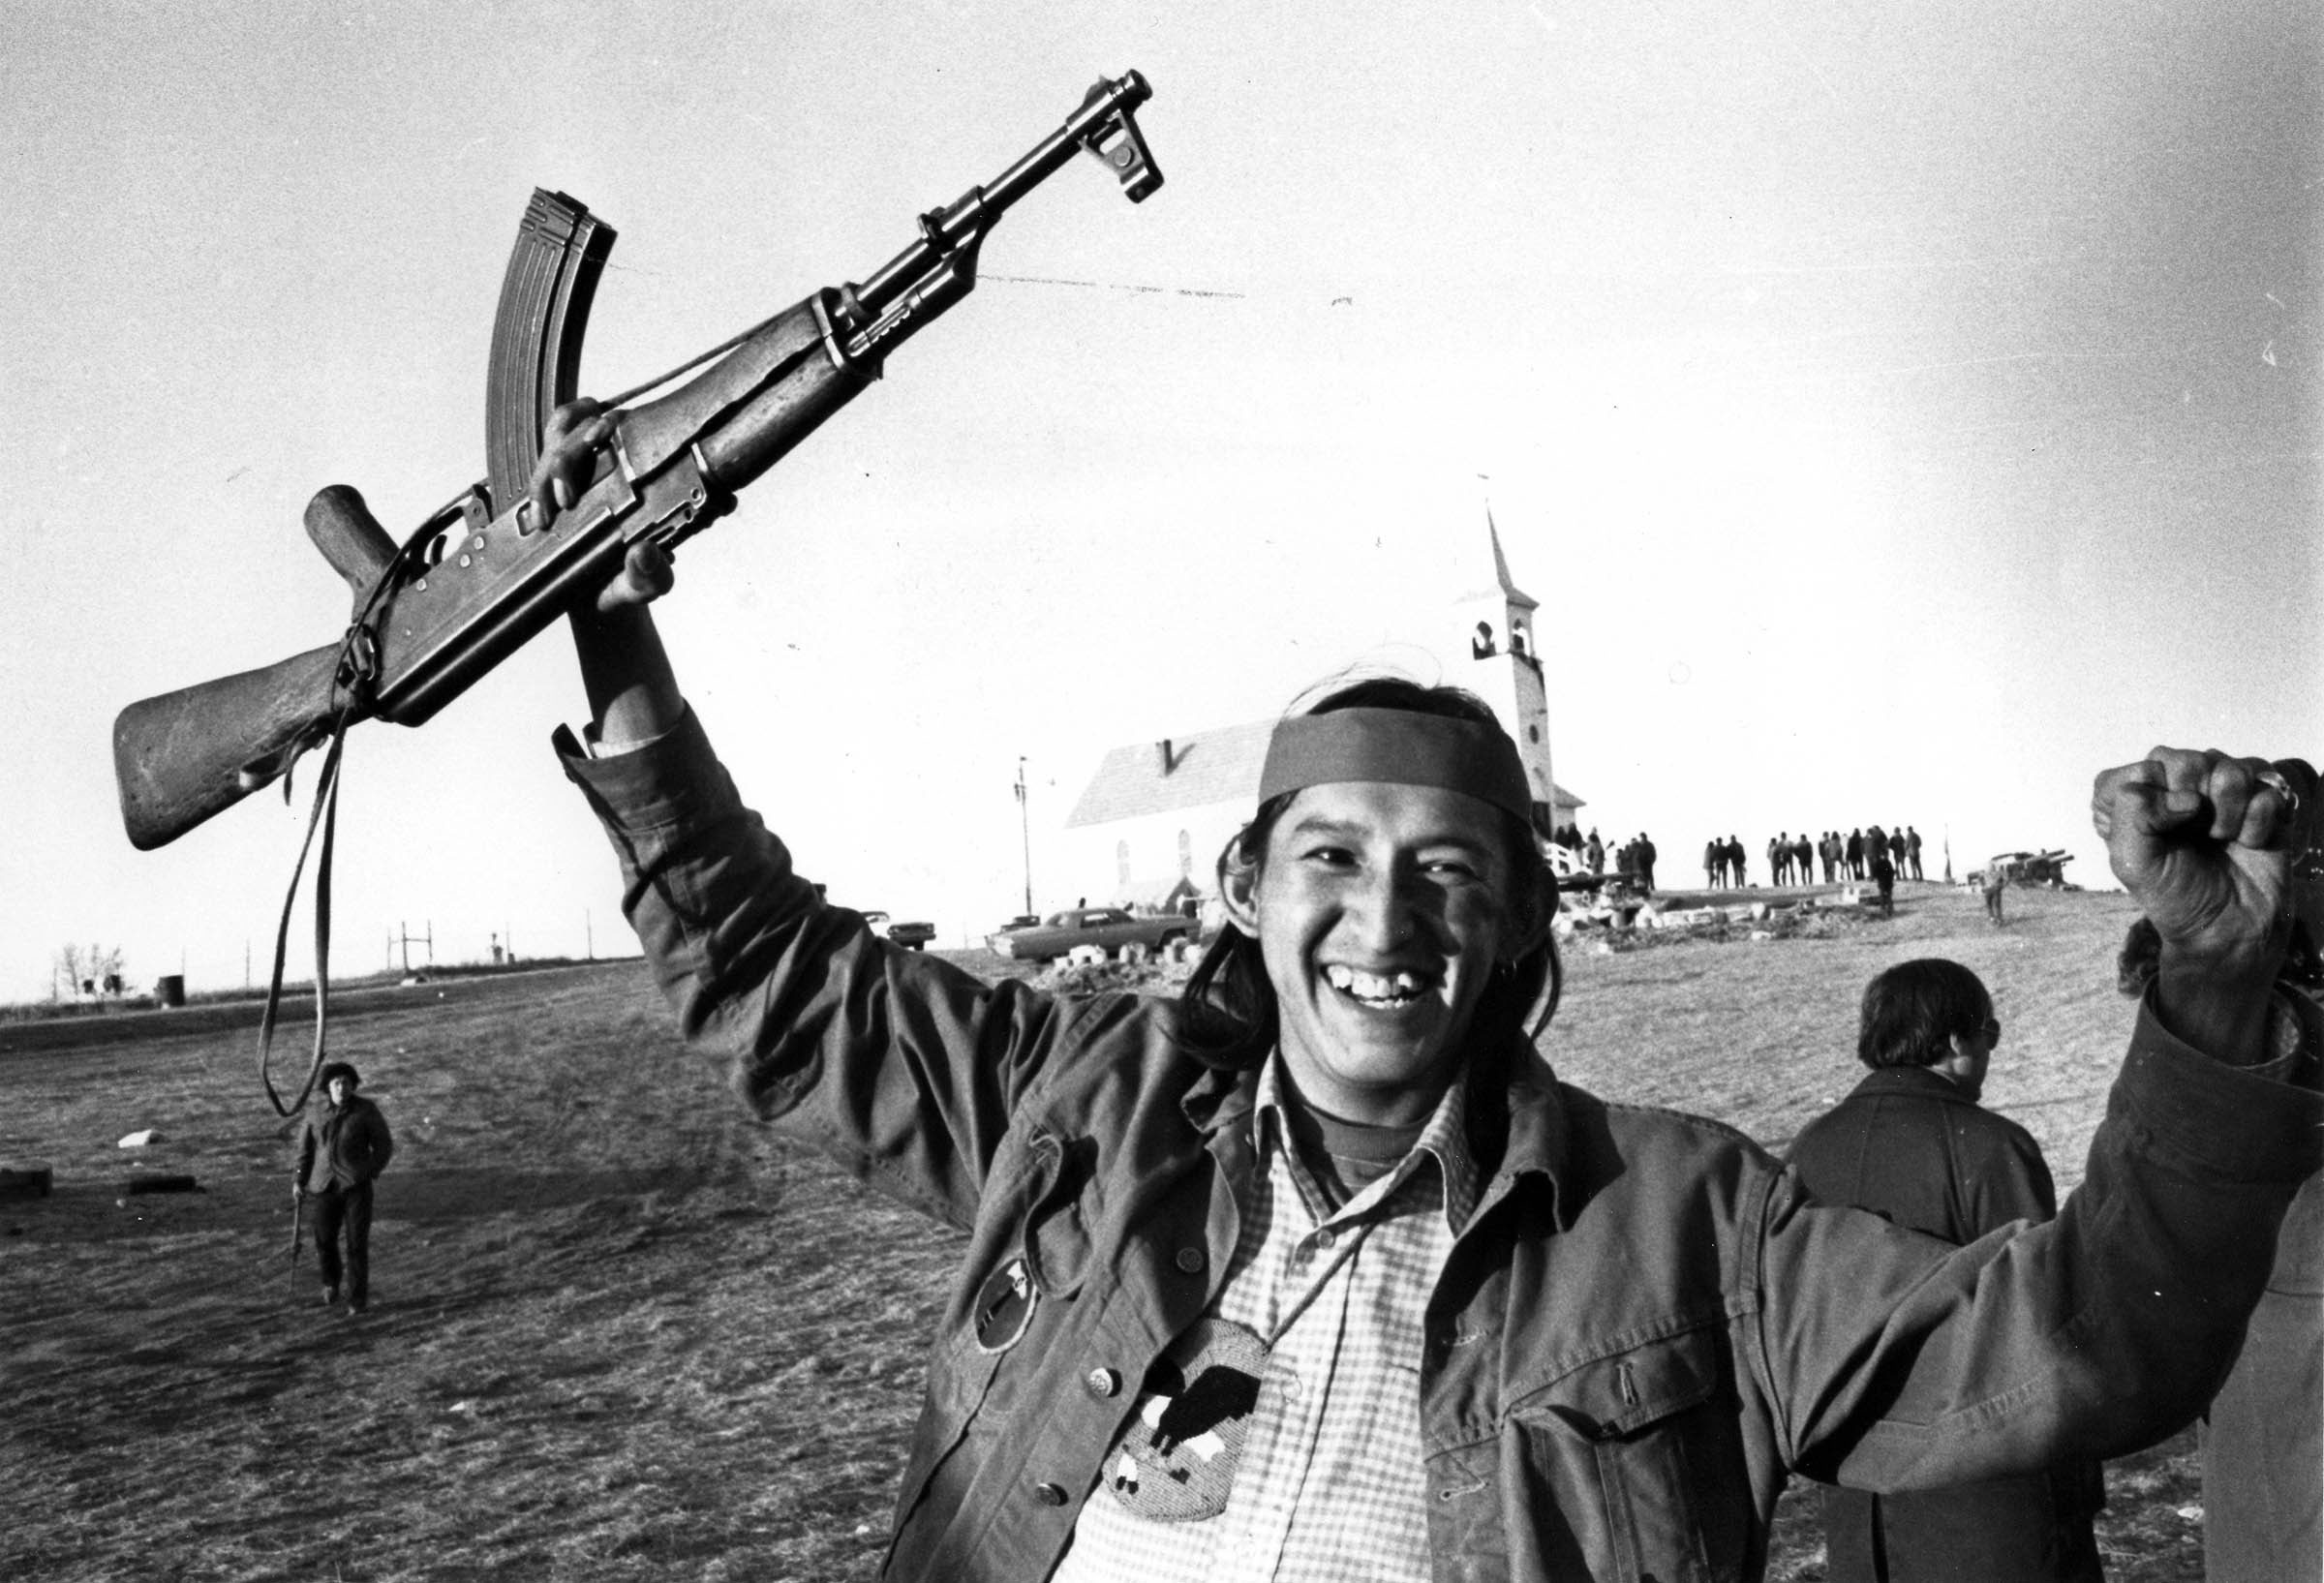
(1444,1139)
(1913,1080)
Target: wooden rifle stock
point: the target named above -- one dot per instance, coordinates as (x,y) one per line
(175,764)
(482,576)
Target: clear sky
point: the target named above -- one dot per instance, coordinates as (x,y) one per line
(1902,412)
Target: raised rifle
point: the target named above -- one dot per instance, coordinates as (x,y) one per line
(480,576)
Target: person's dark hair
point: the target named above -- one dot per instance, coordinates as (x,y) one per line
(1230,1014)
(1914,1012)
(336,1069)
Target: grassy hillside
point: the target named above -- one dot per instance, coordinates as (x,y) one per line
(622,1332)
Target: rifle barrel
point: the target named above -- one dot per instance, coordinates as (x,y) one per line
(978,207)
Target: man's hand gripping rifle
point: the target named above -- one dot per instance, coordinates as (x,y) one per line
(481,576)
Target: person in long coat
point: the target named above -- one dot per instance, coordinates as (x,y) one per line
(1912,1143)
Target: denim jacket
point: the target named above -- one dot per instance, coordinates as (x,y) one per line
(1643,1326)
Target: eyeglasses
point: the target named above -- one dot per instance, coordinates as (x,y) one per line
(1993,1030)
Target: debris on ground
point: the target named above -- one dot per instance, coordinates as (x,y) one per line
(26,1181)
(172,1182)
(1632,924)
(1149,976)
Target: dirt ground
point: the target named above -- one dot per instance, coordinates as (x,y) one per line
(621,1331)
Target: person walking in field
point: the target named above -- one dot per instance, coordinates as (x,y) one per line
(1316,1270)
(1912,1143)
(1912,852)
(1992,883)
(344,1144)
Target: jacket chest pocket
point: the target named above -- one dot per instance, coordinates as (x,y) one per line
(994,1363)
(1035,1251)
(1643,1463)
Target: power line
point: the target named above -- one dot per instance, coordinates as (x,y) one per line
(1115,286)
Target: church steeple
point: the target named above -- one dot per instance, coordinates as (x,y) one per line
(1504,669)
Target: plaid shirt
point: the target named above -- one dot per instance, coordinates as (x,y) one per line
(1326,1483)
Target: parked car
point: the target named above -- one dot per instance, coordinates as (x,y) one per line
(911,935)
(1108,928)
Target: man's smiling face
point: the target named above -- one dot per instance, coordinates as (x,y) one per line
(1380,910)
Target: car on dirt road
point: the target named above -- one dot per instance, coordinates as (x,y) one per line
(913,936)
(1109,929)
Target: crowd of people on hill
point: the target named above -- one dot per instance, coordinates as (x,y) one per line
(1862,854)
(1867,853)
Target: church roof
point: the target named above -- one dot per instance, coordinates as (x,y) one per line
(1220,766)
(1209,767)
(1502,585)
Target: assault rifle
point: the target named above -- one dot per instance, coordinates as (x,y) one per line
(481,575)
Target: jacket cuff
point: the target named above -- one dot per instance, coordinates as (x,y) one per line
(2262,1123)
(667,780)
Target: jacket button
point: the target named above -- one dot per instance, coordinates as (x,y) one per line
(1101,1382)
(1192,1260)
(1050,1495)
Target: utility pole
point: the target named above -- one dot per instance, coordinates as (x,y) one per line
(589,940)
(1025,821)
(405,937)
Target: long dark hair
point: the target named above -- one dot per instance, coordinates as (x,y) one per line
(1230,1016)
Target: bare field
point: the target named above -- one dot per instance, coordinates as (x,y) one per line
(621,1331)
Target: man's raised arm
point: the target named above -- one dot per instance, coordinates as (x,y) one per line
(2204,842)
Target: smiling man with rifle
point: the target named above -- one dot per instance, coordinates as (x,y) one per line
(1318,1272)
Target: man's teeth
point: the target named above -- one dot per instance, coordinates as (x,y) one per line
(1382,989)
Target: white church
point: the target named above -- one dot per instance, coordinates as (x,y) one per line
(1148,829)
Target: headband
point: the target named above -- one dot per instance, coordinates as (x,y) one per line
(1401,748)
